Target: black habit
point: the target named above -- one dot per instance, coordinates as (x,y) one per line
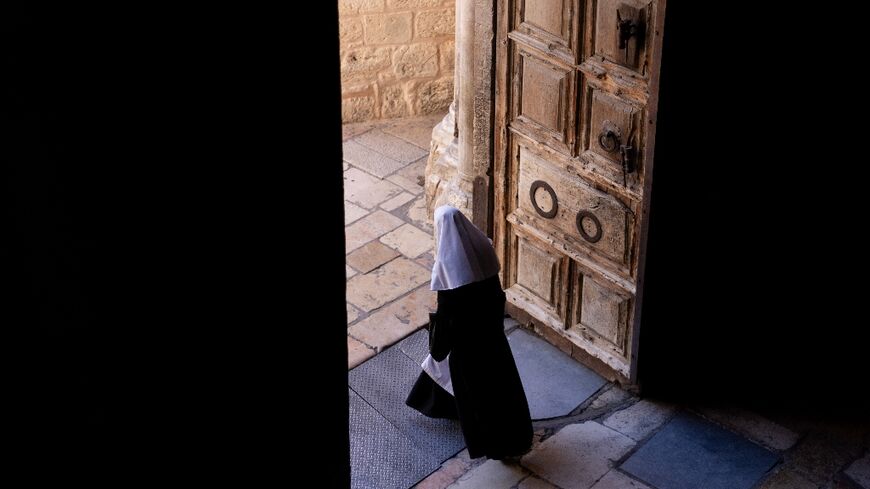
(489,399)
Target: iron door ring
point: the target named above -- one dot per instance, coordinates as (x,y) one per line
(588,215)
(544,185)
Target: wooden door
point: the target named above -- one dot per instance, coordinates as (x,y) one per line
(576,94)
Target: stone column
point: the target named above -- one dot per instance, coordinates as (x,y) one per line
(459,167)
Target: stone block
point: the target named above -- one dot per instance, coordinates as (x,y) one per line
(618,480)
(578,455)
(489,475)
(397,320)
(385,284)
(394,104)
(413,4)
(371,256)
(390,146)
(369,228)
(433,96)
(346,7)
(353,212)
(357,109)
(434,23)
(350,30)
(859,471)
(367,191)
(397,201)
(786,479)
(388,28)
(408,240)
(368,159)
(364,62)
(357,352)
(752,425)
(415,60)
(640,419)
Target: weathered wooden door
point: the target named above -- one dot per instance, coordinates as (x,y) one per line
(577,84)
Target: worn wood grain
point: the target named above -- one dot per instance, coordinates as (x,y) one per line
(562,80)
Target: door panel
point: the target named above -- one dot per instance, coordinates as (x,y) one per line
(600,319)
(576,101)
(622,32)
(549,25)
(544,99)
(614,135)
(574,211)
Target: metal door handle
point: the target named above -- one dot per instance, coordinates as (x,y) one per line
(608,139)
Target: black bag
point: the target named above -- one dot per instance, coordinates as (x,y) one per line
(439,337)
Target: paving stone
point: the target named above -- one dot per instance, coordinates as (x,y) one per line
(510,324)
(349,131)
(352,314)
(617,480)
(417,130)
(610,397)
(390,146)
(753,426)
(349,272)
(490,475)
(369,160)
(353,212)
(415,171)
(357,353)
(397,201)
(369,228)
(859,471)
(408,240)
(371,256)
(344,166)
(786,479)
(447,474)
(555,384)
(367,191)
(397,320)
(819,456)
(689,452)
(535,483)
(426,260)
(416,214)
(384,284)
(380,455)
(578,455)
(384,382)
(406,183)
(640,419)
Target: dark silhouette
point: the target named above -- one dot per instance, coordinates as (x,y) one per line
(470,373)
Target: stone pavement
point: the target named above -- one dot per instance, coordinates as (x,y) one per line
(388,239)
(612,439)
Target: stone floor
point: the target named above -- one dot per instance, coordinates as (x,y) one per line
(388,239)
(612,439)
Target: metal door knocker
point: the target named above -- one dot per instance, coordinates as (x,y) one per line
(608,139)
(544,185)
(594,238)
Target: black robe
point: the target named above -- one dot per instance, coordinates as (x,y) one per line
(489,399)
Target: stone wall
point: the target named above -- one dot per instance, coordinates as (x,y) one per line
(396,58)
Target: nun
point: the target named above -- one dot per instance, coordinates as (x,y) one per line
(470,373)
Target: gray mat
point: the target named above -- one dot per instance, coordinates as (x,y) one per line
(555,383)
(689,452)
(416,346)
(381,457)
(384,382)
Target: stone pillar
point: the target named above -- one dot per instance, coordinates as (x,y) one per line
(458,171)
